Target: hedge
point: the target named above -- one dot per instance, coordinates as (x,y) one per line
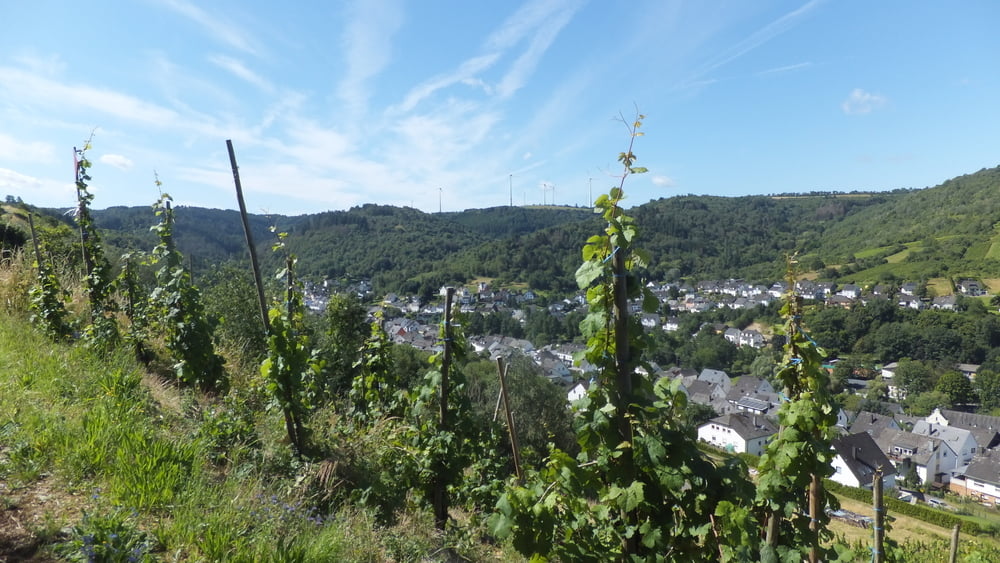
(927,514)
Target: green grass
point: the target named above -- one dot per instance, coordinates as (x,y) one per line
(994,251)
(86,433)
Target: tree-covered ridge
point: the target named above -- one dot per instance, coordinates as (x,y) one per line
(944,231)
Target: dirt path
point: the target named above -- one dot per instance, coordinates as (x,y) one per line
(34,516)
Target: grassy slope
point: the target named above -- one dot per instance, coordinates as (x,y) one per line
(80,434)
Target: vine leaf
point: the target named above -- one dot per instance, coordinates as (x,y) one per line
(587,273)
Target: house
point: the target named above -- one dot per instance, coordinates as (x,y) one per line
(985,429)
(910,302)
(840,301)
(650,320)
(981,479)
(945,303)
(552,367)
(858,458)
(882,290)
(752,338)
(578,391)
(757,403)
(749,384)
(922,458)
(971,287)
(850,291)
(778,289)
(733,335)
(717,377)
(960,440)
(872,423)
(968,370)
(888,373)
(738,433)
(706,393)
(909,288)
(672,324)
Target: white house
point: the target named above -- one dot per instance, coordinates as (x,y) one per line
(888,373)
(960,440)
(858,458)
(930,459)
(980,481)
(738,433)
(985,428)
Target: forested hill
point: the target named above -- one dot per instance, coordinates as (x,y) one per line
(949,229)
(407,250)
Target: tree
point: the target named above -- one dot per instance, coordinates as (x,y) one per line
(925,403)
(340,347)
(956,387)
(878,390)
(913,377)
(539,406)
(988,389)
(707,350)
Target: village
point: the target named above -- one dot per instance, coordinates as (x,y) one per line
(948,450)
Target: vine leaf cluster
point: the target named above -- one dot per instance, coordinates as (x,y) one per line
(639,489)
(179,311)
(790,495)
(99,284)
(292,367)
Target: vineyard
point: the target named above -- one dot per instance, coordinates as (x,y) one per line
(131,430)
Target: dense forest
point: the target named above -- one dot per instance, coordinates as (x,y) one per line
(948,230)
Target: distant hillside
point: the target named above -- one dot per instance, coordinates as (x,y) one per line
(407,250)
(946,231)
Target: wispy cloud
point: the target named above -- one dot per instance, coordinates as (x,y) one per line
(35,189)
(216,27)
(538,23)
(663,181)
(40,90)
(464,73)
(754,40)
(49,65)
(542,39)
(860,102)
(26,151)
(784,69)
(527,20)
(240,70)
(116,160)
(366,42)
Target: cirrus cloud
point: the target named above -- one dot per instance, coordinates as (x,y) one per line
(664,181)
(860,102)
(118,161)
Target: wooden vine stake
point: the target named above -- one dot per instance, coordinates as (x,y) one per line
(515,445)
(249,236)
(34,239)
(953,556)
(878,551)
(440,480)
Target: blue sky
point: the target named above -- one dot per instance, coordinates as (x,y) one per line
(469,104)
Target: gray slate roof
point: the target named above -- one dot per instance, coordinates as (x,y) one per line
(871,423)
(862,456)
(748,427)
(984,468)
